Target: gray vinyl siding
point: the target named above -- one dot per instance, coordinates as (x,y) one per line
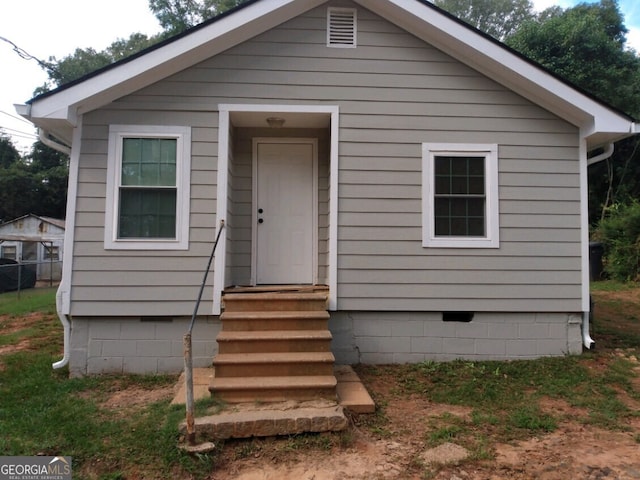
(394,93)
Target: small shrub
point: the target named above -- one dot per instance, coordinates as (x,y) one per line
(619,234)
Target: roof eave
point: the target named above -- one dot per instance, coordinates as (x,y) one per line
(64,106)
(599,123)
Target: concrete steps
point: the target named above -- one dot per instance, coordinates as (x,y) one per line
(274,347)
(275,389)
(273,341)
(251,419)
(277,320)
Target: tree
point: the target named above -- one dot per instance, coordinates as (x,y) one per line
(50,170)
(34,184)
(86,60)
(17,186)
(586,45)
(498,18)
(176,16)
(8,152)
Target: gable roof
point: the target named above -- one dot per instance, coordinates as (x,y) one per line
(57,111)
(33,236)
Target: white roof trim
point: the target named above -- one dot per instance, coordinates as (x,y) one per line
(167,60)
(503,66)
(600,124)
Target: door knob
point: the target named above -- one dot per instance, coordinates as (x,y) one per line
(260,210)
(260,220)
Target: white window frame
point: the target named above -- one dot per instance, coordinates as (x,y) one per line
(117,133)
(490,153)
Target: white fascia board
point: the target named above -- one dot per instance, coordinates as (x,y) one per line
(501,65)
(173,57)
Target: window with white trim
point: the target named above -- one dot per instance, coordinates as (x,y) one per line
(148,187)
(460,195)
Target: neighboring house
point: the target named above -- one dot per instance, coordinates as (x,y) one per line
(36,241)
(432,178)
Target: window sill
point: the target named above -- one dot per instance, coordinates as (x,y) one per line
(146,244)
(458,242)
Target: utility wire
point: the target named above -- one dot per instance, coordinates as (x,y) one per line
(16,135)
(17,131)
(27,56)
(16,117)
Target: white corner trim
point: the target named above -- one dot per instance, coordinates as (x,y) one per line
(64,289)
(584,224)
(183,185)
(220,260)
(334,172)
(492,214)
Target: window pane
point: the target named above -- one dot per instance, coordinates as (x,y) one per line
(459,217)
(459,196)
(149,161)
(147,213)
(459,166)
(50,253)
(442,166)
(476,227)
(442,227)
(476,186)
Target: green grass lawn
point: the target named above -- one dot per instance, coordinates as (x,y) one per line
(42,411)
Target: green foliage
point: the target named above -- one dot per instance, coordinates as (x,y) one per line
(504,395)
(50,414)
(529,417)
(176,16)
(8,152)
(34,184)
(586,45)
(619,233)
(86,60)
(498,18)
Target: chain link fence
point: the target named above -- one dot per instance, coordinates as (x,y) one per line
(17,275)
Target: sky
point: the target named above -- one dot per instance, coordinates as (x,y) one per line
(55,28)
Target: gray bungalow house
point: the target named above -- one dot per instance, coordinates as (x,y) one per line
(430,182)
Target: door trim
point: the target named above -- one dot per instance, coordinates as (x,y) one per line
(254,200)
(225,152)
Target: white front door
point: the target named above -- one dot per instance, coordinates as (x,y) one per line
(285,212)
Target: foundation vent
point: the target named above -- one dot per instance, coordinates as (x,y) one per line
(341,27)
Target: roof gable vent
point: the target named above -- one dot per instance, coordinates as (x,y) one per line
(341,27)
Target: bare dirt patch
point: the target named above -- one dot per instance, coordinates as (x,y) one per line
(401,450)
(23,344)
(9,324)
(573,451)
(134,396)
